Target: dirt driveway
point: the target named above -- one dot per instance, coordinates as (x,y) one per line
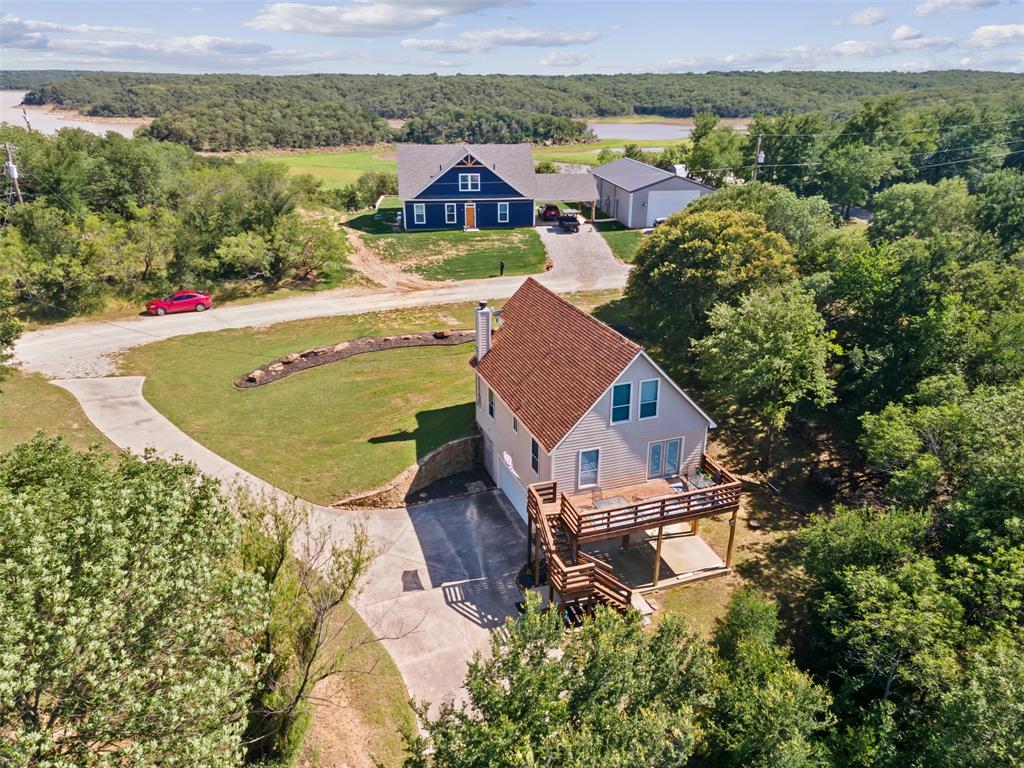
(584,256)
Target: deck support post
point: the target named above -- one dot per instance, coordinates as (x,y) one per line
(529,542)
(732,537)
(657,555)
(625,541)
(695,527)
(536,555)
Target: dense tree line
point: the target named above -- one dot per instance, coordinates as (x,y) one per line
(134,217)
(298,110)
(490,125)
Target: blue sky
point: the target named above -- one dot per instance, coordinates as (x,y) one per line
(514,36)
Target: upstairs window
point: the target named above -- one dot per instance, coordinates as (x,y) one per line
(469,182)
(534,456)
(649,399)
(622,395)
(490,403)
(515,424)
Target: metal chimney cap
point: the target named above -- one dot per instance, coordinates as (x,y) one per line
(483,305)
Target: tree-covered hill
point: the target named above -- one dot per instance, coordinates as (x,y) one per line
(727,94)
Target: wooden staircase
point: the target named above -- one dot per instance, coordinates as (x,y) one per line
(581,581)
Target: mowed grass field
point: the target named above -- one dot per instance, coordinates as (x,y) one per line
(336,169)
(449,254)
(622,241)
(326,432)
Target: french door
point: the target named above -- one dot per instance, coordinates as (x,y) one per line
(663,457)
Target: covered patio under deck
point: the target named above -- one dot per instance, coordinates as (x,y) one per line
(639,537)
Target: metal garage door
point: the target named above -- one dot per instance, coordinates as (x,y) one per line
(662,204)
(513,489)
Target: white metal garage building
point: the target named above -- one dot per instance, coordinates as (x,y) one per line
(638,194)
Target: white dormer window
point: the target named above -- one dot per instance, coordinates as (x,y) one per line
(469,182)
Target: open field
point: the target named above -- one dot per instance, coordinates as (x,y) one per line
(28,402)
(449,254)
(326,432)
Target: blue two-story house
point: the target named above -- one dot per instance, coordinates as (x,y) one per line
(473,186)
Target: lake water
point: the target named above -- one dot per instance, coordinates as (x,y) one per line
(46,121)
(640,130)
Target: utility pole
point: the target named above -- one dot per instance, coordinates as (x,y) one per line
(12,172)
(758,159)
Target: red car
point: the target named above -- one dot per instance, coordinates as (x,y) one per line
(181,301)
(550,213)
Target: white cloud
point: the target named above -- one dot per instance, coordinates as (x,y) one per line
(1011,62)
(934,6)
(996,35)
(364,19)
(564,59)
(906,32)
(488,39)
(16,32)
(866,17)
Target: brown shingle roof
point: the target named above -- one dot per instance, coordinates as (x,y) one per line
(550,362)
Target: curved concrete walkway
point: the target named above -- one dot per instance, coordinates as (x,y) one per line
(446,573)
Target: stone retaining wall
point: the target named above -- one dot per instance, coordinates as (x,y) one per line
(461,455)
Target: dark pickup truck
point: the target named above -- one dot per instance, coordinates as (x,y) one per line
(569,222)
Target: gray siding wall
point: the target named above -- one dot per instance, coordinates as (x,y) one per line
(502,438)
(668,185)
(623,446)
(607,194)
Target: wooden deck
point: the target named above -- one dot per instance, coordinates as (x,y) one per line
(607,513)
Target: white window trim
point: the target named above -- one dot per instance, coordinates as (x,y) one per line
(535,458)
(451,213)
(640,402)
(490,402)
(611,405)
(469,182)
(503,219)
(579,468)
(664,441)
(419,213)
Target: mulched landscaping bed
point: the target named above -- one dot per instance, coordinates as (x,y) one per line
(311,358)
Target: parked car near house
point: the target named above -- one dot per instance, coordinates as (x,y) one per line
(550,213)
(569,222)
(180,301)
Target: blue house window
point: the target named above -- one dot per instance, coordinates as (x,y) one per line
(469,182)
(622,394)
(419,213)
(450,214)
(503,213)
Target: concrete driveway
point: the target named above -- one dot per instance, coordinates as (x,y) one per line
(446,573)
(584,254)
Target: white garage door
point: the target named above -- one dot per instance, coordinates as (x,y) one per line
(513,489)
(662,204)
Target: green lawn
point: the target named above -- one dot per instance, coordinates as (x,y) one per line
(336,169)
(450,254)
(621,240)
(28,402)
(586,154)
(323,433)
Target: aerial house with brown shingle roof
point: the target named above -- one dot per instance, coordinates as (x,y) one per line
(590,440)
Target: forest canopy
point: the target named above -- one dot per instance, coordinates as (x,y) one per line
(231,112)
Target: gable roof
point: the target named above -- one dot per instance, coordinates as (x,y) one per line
(631,175)
(550,361)
(420,164)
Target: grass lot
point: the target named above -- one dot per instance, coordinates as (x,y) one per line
(323,433)
(336,169)
(28,402)
(621,240)
(586,154)
(450,254)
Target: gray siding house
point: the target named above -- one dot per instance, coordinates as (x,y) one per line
(562,396)
(638,194)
